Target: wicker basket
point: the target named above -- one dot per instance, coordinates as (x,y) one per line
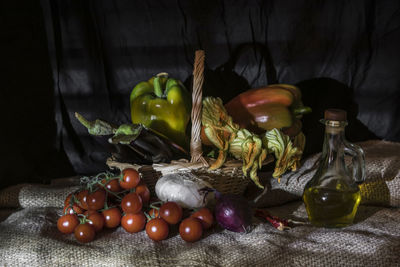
(227,179)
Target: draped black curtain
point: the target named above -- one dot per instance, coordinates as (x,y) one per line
(101,49)
(341,54)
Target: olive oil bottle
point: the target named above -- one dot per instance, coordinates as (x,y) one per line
(332,196)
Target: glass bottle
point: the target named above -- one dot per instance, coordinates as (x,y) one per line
(332,195)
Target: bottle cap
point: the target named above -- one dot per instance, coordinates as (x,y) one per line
(335,115)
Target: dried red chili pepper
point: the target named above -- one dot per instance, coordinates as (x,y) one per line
(278,223)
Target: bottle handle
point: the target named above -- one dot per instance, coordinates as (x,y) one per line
(358,161)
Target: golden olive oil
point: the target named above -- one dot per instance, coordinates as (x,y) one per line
(331,208)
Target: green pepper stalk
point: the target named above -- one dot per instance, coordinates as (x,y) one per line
(162,104)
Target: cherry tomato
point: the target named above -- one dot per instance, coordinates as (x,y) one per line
(171,212)
(191,229)
(112,185)
(157,229)
(154,213)
(143,191)
(133,223)
(66,224)
(84,233)
(131,203)
(205,216)
(96,199)
(75,209)
(96,219)
(112,217)
(130,179)
(67,200)
(82,197)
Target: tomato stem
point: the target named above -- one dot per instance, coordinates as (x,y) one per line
(121,176)
(154,207)
(105,202)
(109,191)
(71,203)
(83,219)
(147,216)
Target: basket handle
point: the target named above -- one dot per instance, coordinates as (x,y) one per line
(196,151)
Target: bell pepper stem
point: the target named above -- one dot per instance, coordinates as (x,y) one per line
(162,74)
(157,87)
(302,110)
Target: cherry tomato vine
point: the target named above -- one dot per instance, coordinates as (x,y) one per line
(110,200)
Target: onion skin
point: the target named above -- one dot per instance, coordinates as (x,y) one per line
(233,212)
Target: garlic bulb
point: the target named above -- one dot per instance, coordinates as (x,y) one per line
(184,189)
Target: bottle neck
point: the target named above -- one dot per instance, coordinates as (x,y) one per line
(333,148)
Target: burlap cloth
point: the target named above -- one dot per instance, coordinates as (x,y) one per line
(29,236)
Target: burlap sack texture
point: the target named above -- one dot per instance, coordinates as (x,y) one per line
(29,237)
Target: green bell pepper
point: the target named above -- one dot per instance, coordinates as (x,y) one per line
(164,105)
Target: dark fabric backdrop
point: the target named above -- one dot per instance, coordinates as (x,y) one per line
(342,54)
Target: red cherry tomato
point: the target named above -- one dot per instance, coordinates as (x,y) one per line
(68,199)
(84,233)
(143,191)
(154,213)
(66,224)
(112,185)
(82,197)
(130,178)
(157,229)
(205,216)
(96,200)
(133,223)
(131,203)
(96,219)
(191,229)
(75,209)
(112,217)
(171,212)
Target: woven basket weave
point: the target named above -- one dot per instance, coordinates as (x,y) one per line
(227,179)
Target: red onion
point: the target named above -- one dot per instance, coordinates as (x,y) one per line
(232,212)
